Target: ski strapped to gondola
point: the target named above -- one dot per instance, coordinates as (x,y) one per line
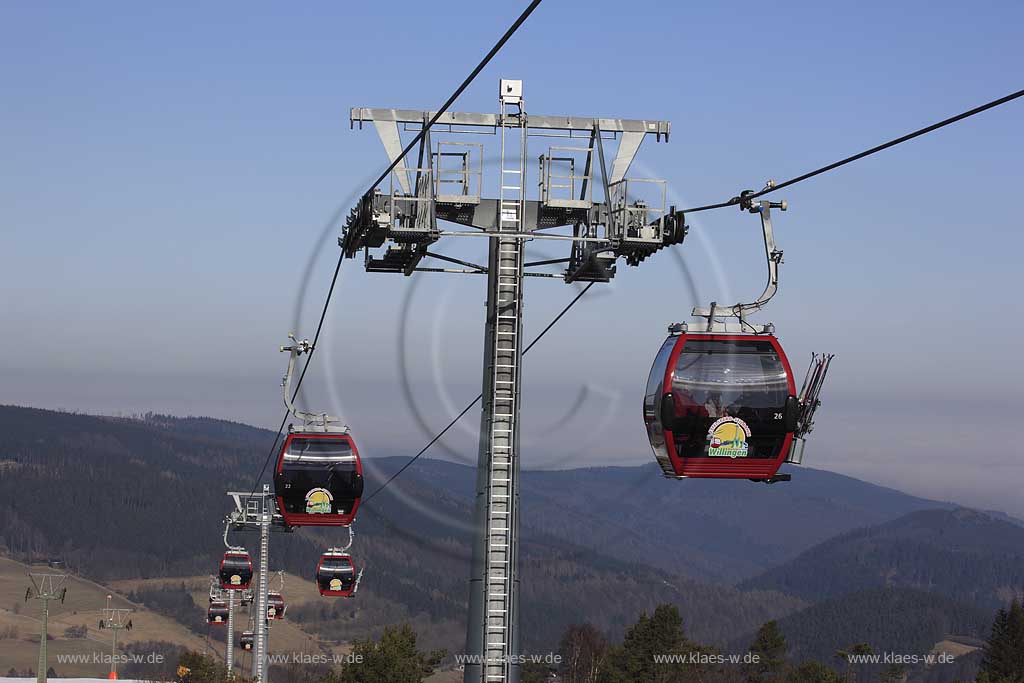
(810,399)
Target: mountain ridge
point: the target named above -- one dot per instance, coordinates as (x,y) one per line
(892,619)
(964,554)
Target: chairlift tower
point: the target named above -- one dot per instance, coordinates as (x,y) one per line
(632,222)
(257,510)
(45,587)
(115,619)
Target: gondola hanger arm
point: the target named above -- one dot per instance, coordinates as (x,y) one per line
(321,420)
(215,590)
(773,256)
(227,543)
(351,537)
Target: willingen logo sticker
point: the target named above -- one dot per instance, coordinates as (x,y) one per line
(727,438)
(319,502)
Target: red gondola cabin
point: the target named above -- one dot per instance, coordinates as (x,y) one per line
(319,479)
(721,406)
(336,575)
(235,570)
(217,613)
(275,606)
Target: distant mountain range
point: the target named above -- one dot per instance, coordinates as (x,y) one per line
(960,554)
(122,498)
(720,531)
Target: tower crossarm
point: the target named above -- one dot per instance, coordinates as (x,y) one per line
(455,119)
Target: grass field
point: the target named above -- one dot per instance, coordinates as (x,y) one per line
(285,636)
(83,606)
(954,648)
(20,621)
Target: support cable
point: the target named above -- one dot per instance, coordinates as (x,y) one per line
(458,417)
(330,292)
(868,152)
(302,375)
(465,84)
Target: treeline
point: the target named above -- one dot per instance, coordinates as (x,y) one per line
(394,657)
(902,619)
(656,649)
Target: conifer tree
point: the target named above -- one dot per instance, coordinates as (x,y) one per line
(652,636)
(1004,650)
(393,659)
(770,648)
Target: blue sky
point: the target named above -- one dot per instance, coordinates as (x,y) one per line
(167,174)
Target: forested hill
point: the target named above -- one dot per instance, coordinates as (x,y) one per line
(962,554)
(128,498)
(160,483)
(119,498)
(887,619)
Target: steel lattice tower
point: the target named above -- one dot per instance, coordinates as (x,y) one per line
(623,225)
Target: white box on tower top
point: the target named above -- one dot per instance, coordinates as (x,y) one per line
(511,91)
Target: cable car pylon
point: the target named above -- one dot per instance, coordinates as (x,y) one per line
(257,511)
(222,611)
(633,222)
